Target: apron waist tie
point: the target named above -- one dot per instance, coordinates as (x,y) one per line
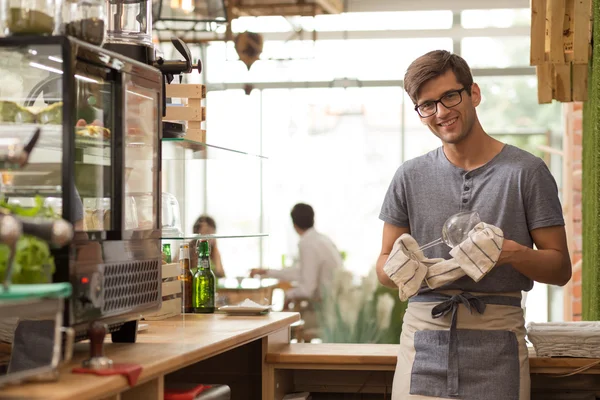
(449,304)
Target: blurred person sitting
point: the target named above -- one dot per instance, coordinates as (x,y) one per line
(318,257)
(206,225)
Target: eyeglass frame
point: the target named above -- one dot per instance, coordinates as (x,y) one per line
(435,102)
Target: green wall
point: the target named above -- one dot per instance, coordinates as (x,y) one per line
(591,183)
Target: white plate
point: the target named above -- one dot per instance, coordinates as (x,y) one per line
(245,310)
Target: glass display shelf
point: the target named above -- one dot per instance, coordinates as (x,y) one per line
(201,151)
(216,236)
(51,136)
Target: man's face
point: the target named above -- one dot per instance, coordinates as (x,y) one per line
(453,124)
(205,229)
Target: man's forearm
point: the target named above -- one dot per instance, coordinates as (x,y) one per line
(544,266)
(286,274)
(383,278)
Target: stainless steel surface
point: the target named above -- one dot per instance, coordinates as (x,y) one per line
(112,278)
(34,309)
(114,261)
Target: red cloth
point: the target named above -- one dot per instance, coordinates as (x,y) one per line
(185,394)
(130,371)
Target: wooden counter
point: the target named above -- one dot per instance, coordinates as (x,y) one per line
(253,356)
(369,368)
(214,348)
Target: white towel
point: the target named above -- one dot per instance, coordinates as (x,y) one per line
(474,257)
(478,254)
(443,272)
(405,270)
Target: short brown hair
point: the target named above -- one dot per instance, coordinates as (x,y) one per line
(303,216)
(433,64)
(204,219)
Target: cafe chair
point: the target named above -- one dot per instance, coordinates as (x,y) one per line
(307,328)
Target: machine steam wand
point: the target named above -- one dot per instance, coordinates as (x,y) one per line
(170,68)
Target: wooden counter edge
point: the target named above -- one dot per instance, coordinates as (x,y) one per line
(365,356)
(88,386)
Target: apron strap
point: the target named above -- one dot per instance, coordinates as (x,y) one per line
(449,304)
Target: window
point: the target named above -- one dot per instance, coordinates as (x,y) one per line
(509,105)
(300,61)
(498,18)
(348,22)
(367,21)
(499,52)
(336,149)
(233,120)
(418,139)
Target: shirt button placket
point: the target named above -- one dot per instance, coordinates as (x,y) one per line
(466,191)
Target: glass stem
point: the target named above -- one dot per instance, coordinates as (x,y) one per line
(431,244)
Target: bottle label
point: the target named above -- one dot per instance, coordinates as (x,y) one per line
(204,263)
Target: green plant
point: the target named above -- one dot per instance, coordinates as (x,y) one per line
(591,183)
(33,262)
(359,313)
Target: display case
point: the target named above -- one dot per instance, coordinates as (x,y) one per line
(96,165)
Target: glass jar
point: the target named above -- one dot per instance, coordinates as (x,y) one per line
(130,22)
(84,20)
(30,17)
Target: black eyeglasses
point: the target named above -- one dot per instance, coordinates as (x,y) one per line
(449,100)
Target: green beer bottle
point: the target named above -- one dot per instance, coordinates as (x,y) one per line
(166,253)
(204,281)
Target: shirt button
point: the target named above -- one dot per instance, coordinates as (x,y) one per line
(466,188)
(465,200)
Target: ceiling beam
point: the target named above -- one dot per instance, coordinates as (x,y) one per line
(455,33)
(477,72)
(411,5)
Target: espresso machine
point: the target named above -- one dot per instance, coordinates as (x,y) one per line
(97,162)
(129,32)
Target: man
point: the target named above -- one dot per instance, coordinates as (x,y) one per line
(485,357)
(317,259)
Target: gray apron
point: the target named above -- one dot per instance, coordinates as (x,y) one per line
(457,345)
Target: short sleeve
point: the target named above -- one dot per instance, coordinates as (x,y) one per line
(394,209)
(542,204)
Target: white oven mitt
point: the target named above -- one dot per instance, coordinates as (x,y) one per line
(442,273)
(474,257)
(407,272)
(478,254)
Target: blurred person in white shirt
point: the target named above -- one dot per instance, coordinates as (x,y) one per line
(318,257)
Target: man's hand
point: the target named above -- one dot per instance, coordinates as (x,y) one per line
(510,251)
(257,271)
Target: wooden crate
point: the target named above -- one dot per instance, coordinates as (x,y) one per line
(171,294)
(286,7)
(561,48)
(192,111)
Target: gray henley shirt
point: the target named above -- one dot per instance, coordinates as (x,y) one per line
(514,191)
